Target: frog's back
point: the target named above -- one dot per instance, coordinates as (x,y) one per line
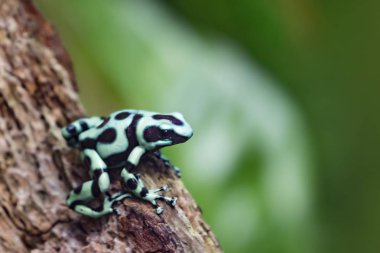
(114,137)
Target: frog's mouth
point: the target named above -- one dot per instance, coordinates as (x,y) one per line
(176,138)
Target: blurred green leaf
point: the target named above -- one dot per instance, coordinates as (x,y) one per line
(249,162)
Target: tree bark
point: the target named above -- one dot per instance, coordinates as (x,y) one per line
(38,96)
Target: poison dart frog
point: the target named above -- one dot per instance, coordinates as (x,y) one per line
(119,141)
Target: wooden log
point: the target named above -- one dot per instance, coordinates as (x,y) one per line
(38,96)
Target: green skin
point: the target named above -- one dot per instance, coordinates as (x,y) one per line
(120,141)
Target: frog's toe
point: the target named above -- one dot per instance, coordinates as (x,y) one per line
(159,210)
(116,211)
(177,171)
(164,188)
(173,201)
(170,200)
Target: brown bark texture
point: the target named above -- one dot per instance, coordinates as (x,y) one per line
(38,96)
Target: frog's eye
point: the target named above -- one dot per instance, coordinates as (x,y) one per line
(152,134)
(165,133)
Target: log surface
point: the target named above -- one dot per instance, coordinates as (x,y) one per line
(38,96)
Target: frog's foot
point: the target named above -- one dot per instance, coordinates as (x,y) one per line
(110,200)
(134,184)
(103,209)
(177,171)
(116,197)
(153,195)
(164,188)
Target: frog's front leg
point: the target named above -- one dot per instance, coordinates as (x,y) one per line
(93,188)
(167,163)
(136,186)
(72,131)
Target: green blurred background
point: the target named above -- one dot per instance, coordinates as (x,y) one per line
(283,98)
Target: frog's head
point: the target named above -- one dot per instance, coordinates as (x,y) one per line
(162,130)
(70,134)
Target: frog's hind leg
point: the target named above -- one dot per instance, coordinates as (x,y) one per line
(72,130)
(136,186)
(105,208)
(82,194)
(92,189)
